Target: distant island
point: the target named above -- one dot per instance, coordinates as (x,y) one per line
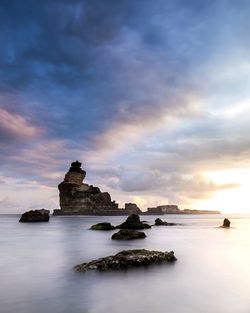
(173,209)
(78,198)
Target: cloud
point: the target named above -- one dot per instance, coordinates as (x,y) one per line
(194,187)
(5,203)
(139,91)
(175,187)
(15,126)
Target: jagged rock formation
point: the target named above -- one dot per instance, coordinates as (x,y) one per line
(133,222)
(35,216)
(128,234)
(79,198)
(102,226)
(126,259)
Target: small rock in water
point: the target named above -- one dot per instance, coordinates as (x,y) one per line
(35,216)
(128,234)
(102,226)
(226,223)
(126,259)
(159,222)
(133,222)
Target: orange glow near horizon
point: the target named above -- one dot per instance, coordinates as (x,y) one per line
(232,200)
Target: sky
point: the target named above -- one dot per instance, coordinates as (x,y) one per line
(152,97)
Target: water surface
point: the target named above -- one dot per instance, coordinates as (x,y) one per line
(212,273)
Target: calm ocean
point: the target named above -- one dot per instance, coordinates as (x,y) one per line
(212,273)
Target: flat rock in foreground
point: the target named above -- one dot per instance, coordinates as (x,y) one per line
(127,259)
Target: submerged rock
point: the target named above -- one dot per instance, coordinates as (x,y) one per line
(133,222)
(226,223)
(159,222)
(102,226)
(128,234)
(35,216)
(126,259)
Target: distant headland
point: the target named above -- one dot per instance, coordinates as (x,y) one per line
(78,198)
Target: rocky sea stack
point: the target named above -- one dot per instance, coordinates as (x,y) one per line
(128,234)
(35,216)
(127,259)
(133,222)
(79,198)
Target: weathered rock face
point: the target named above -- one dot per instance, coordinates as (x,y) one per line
(35,216)
(128,234)
(102,226)
(133,222)
(132,208)
(79,198)
(126,259)
(159,222)
(164,209)
(226,223)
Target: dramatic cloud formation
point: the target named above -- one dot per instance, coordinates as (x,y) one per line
(15,126)
(152,97)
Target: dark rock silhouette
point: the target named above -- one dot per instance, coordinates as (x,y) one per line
(226,223)
(132,208)
(79,198)
(133,222)
(126,259)
(159,222)
(102,226)
(164,209)
(128,234)
(174,209)
(76,168)
(35,216)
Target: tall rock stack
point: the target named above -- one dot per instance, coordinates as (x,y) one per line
(75,174)
(79,198)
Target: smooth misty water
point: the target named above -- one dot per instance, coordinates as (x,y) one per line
(212,273)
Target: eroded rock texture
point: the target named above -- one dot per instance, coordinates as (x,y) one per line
(126,259)
(79,198)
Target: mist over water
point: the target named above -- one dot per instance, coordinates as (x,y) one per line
(212,273)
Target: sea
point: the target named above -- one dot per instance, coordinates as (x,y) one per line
(212,273)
